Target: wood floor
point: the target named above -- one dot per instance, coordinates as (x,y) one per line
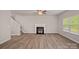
(33,41)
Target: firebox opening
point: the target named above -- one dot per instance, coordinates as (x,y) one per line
(39,30)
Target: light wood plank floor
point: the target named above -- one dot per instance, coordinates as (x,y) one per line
(33,41)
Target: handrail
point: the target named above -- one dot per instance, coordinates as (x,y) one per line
(17,22)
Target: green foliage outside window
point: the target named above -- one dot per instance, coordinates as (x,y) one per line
(75,24)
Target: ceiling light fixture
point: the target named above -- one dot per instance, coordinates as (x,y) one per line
(41,12)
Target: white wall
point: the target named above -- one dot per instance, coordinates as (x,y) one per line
(60,25)
(28,23)
(4,26)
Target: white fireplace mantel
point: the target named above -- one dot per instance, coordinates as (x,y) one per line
(41,25)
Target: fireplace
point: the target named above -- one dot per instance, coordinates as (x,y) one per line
(39,30)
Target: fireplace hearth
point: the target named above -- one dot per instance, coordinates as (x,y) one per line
(39,30)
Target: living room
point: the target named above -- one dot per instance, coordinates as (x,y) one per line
(39,29)
(40,25)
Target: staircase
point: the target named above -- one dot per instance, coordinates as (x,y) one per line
(16,28)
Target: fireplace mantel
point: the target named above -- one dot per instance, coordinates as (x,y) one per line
(41,25)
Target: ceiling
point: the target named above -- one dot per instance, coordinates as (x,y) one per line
(34,12)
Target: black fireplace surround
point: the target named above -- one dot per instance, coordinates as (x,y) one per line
(39,30)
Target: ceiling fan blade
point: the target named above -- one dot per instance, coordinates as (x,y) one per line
(44,12)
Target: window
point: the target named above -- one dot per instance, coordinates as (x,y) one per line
(75,24)
(67,24)
(71,24)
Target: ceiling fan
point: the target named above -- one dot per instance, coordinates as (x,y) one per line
(41,12)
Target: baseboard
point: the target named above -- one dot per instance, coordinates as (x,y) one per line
(16,34)
(69,38)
